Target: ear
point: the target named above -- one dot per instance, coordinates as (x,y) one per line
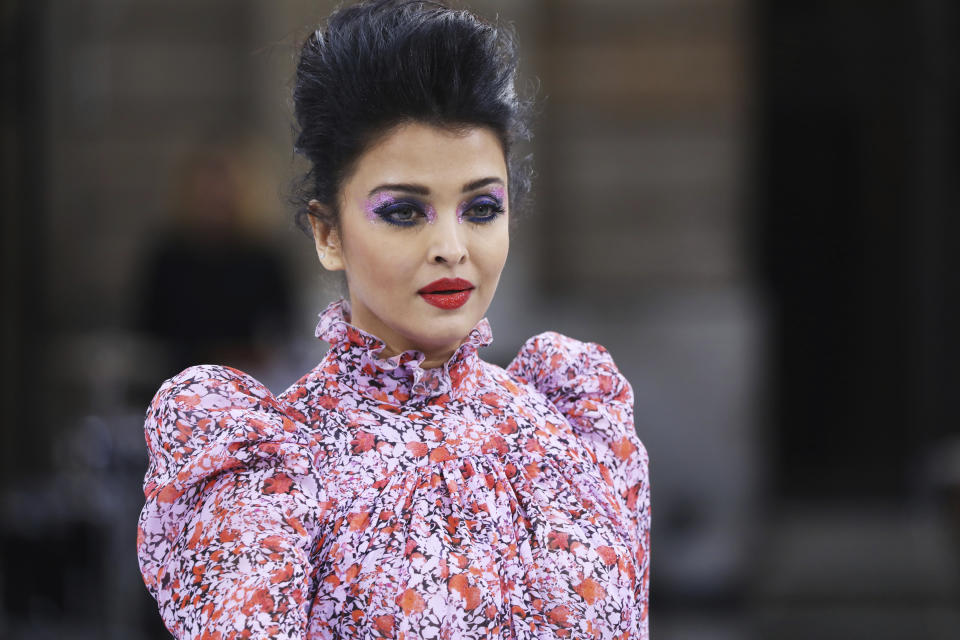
(326,238)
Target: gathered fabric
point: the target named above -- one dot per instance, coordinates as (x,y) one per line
(374,498)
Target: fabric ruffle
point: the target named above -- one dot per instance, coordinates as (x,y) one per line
(400,377)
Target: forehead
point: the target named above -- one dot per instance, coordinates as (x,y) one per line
(435,157)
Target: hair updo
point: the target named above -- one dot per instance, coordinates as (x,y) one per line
(381,63)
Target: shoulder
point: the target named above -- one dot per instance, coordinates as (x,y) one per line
(224,452)
(557,364)
(582,381)
(210,379)
(204,390)
(202,378)
(220,412)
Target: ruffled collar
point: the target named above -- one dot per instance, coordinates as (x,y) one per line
(399,378)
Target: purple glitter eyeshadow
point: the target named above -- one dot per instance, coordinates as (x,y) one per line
(375,205)
(495,193)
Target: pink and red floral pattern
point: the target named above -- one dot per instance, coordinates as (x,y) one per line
(374,498)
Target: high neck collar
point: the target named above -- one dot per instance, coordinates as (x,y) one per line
(399,378)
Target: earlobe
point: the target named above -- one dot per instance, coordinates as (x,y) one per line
(325,238)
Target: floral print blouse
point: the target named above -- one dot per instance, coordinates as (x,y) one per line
(374,498)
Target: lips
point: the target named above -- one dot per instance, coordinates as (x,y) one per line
(447,285)
(447,293)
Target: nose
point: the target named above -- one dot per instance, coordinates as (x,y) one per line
(447,241)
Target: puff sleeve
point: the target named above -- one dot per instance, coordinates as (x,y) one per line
(232,507)
(582,381)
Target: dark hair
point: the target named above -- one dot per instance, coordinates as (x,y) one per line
(380,63)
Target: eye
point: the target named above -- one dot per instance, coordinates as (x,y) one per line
(484,209)
(401,214)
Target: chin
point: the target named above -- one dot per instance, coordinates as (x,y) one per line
(444,336)
(442,332)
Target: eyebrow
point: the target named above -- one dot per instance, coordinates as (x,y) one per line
(423,191)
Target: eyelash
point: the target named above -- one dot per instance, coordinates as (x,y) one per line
(387,209)
(495,206)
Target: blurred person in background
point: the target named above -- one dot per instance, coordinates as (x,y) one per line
(404,487)
(211,291)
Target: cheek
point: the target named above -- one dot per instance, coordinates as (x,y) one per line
(379,257)
(492,251)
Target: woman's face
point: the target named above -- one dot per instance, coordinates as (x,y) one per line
(423,204)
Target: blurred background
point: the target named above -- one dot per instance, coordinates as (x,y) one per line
(753,205)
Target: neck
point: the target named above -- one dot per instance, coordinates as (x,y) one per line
(394,343)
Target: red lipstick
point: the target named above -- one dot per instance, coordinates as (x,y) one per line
(447,293)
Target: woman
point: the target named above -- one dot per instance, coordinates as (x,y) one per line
(404,487)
